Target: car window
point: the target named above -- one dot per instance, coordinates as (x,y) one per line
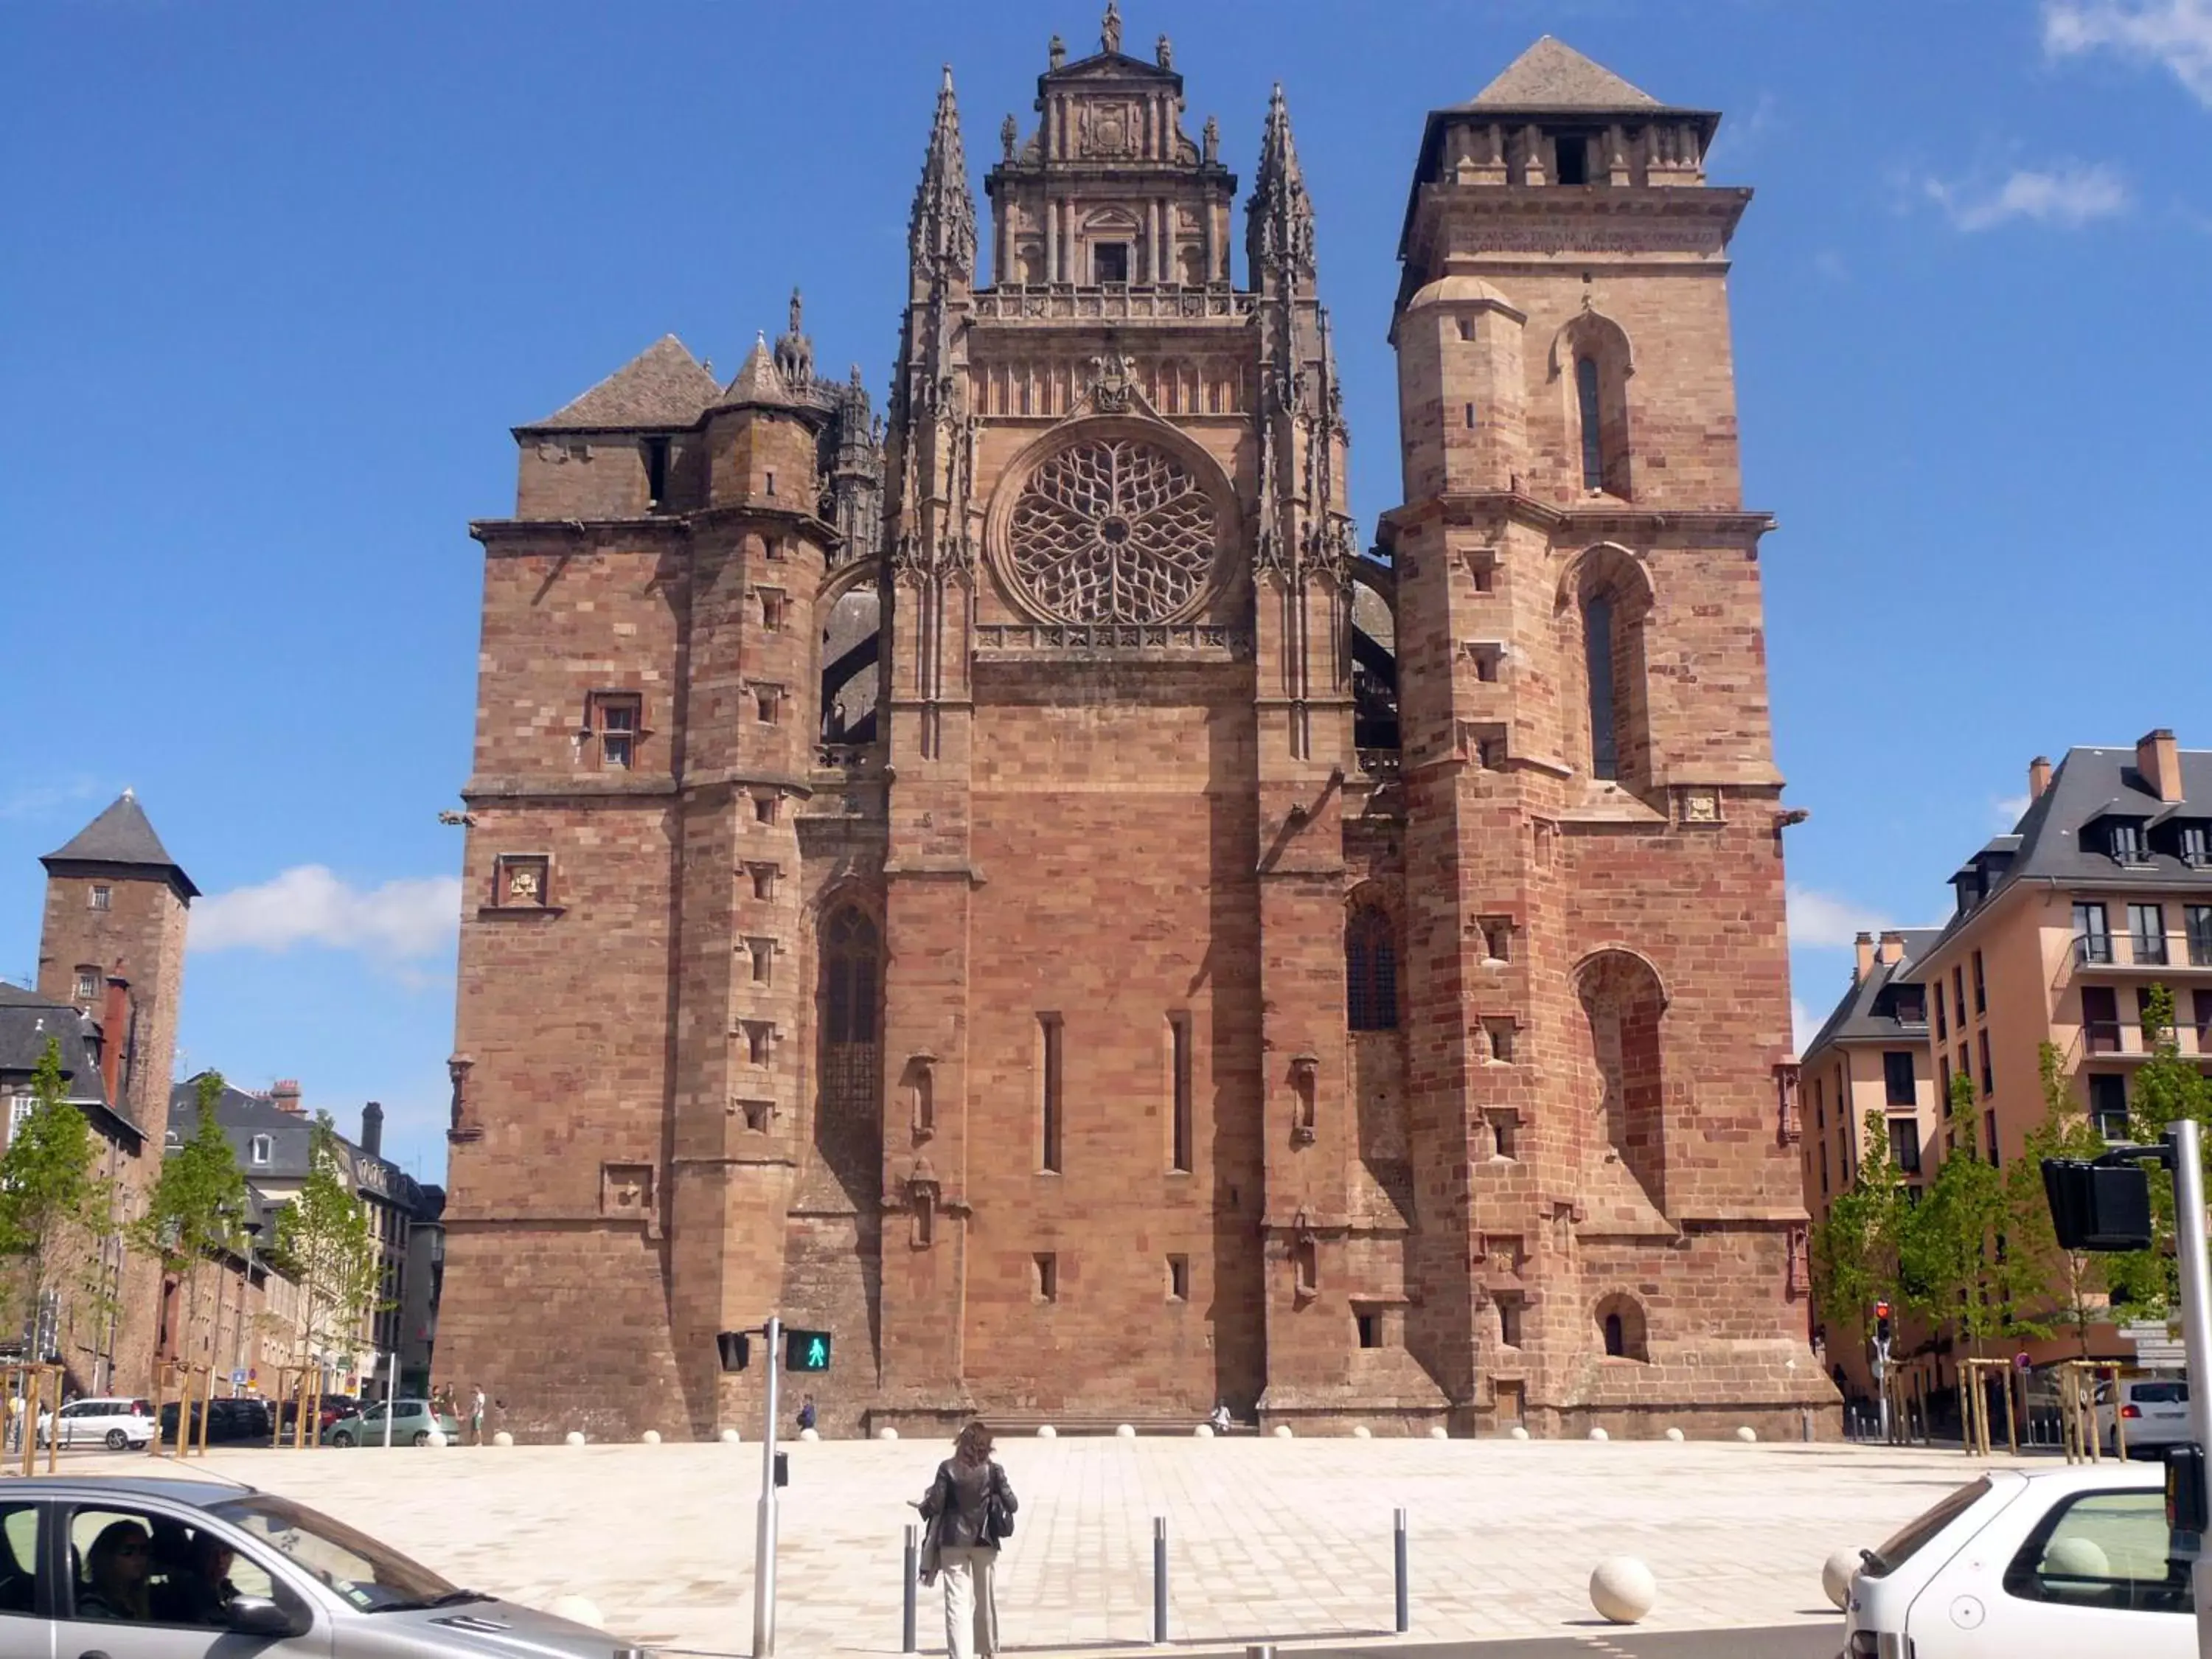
(369,1576)
(2103,1549)
(1901,1547)
(137,1566)
(2158,1394)
(18,1558)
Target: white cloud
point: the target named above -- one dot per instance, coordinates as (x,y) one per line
(308,905)
(1822,920)
(1804,1025)
(37,801)
(2069,195)
(2175,33)
(1831,265)
(2008,809)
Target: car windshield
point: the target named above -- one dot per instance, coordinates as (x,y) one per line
(370,1577)
(2158,1394)
(1901,1548)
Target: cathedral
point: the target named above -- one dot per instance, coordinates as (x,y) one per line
(1024,885)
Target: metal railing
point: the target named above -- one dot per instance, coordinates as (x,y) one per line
(1112,637)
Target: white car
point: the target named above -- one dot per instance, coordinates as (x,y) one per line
(2060,1564)
(117,1423)
(2155,1409)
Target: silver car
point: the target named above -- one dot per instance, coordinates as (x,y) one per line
(196,1570)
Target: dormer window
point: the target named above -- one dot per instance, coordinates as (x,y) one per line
(2124,841)
(257,1151)
(1911,1005)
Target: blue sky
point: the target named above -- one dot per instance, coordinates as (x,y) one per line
(280,276)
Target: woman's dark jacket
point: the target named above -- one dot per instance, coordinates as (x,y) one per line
(958,1496)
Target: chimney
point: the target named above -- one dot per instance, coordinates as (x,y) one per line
(1892,948)
(284,1096)
(372,1129)
(113,1020)
(2158,757)
(1864,946)
(2039,777)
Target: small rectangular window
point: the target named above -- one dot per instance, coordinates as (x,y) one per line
(656,471)
(1899,1088)
(2108,1104)
(1981,988)
(1044,1277)
(765,699)
(1370,1329)
(1467,414)
(774,606)
(764,808)
(1990,1135)
(1466,328)
(1049,1092)
(2100,1019)
(87,984)
(2197,923)
(101,898)
(616,722)
(1959,997)
(763,880)
(1501,1035)
(771,491)
(1178,1278)
(763,951)
(1109,263)
(1573,152)
(1179,1103)
(1905,1145)
(759,1114)
(258,1150)
(1510,1306)
(758,1033)
(1504,1126)
(1989,1077)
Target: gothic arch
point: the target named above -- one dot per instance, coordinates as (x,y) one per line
(1374,961)
(848,1002)
(1593,360)
(1623,1331)
(1603,605)
(1624,1004)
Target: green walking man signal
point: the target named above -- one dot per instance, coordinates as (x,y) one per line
(803,1351)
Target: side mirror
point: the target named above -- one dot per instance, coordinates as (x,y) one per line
(256,1615)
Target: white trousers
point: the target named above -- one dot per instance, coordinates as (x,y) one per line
(971,1615)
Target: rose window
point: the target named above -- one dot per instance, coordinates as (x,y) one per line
(1115,531)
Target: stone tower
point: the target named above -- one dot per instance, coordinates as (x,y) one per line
(1600,1083)
(112,944)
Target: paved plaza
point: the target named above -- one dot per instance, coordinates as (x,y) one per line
(1269,1540)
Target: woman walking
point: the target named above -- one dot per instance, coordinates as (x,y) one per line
(969,1510)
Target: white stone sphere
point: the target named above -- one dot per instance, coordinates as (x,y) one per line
(576,1609)
(1622,1589)
(1045,1432)
(1361,1431)
(2078,1557)
(435,1437)
(502,1438)
(1747,1434)
(1439,1432)
(1203,1431)
(1599,1434)
(1282,1431)
(887,1432)
(731,1437)
(809,1434)
(575,1438)
(1836,1575)
(651,1436)
(1125,1432)
(1674,1435)
(1518,1433)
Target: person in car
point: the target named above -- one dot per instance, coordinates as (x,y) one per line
(200,1592)
(115,1572)
(970,1508)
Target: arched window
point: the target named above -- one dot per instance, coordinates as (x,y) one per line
(1371,971)
(1614,1337)
(1593,422)
(1621,1324)
(1624,1004)
(1597,650)
(1605,605)
(848,970)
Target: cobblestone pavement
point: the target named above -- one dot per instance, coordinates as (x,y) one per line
(1269,1540)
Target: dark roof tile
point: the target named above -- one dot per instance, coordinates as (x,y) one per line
(664,386)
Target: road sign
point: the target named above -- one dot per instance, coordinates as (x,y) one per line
(2162,1356)
(238,1379)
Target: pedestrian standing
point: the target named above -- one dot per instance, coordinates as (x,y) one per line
(477,1415)
(970,1511)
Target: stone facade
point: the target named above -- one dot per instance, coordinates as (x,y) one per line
(1185,982)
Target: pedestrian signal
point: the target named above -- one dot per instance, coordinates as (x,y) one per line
(2098,1207)
(736,1348)
(806,1351)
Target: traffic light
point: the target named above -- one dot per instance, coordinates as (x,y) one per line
(1881,1322)
(806,1351)
(736,1348)
(2186,1503)
(783,1468)
(2098,1207)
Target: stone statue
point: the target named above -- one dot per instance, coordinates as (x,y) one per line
(1057,54)
(1165,52)
(1007,133)
(1210,140)
(1109,31)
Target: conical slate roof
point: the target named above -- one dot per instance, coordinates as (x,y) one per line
(1552,75)
(758,380)
(123,834)
(664,386)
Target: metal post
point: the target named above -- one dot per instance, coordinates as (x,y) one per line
(912,1573)
(764,1533)
(1881,1381)
(391,1398)
(1159,1578)
(2196,1336)
(1398,1557)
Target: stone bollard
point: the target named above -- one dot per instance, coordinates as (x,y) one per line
(1674,1435)
(1203,1431)
(1516,1433)
(731,1437)
(810,1435)
(577,1610)
(1599,1434)
(1439,1432)
(1361,1431)
(887,1432)
(1282,1431)
(1747,1434)
(1125,1432)
(575,1437)
(650,1437)
(1836,1575)
(502,1438)
(1622,1589)
(435,1437)
(1045,1432)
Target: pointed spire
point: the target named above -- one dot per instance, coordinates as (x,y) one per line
(123,837)
(1552,75)
(941,235)
(1278,226)
(759,380)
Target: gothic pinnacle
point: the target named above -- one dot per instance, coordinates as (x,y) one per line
(941,235)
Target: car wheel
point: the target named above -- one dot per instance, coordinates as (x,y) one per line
(422,1437)
(341,1439)
(116,1440)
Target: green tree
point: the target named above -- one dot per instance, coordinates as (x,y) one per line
(198,1206)
(52,1208)
(325,1244)
(1856,1248)
(2167,1088)
(2042,1287)
(1948,1246)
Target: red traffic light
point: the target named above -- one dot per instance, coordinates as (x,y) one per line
(1881,1310)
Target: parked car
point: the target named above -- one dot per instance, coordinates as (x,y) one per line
(298,1584)
(243,1420)
(116,1423)
(412,1420)
(2155,1409)
(2058,1564)
(328,1410)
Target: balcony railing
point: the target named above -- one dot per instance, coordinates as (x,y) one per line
(2147,950)
(2101,1037)
(1115,638)
(2093,948)
(1132,302)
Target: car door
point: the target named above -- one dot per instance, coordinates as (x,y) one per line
(115,1534)
(24,1627)
(2087,1573)
(72,1421)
